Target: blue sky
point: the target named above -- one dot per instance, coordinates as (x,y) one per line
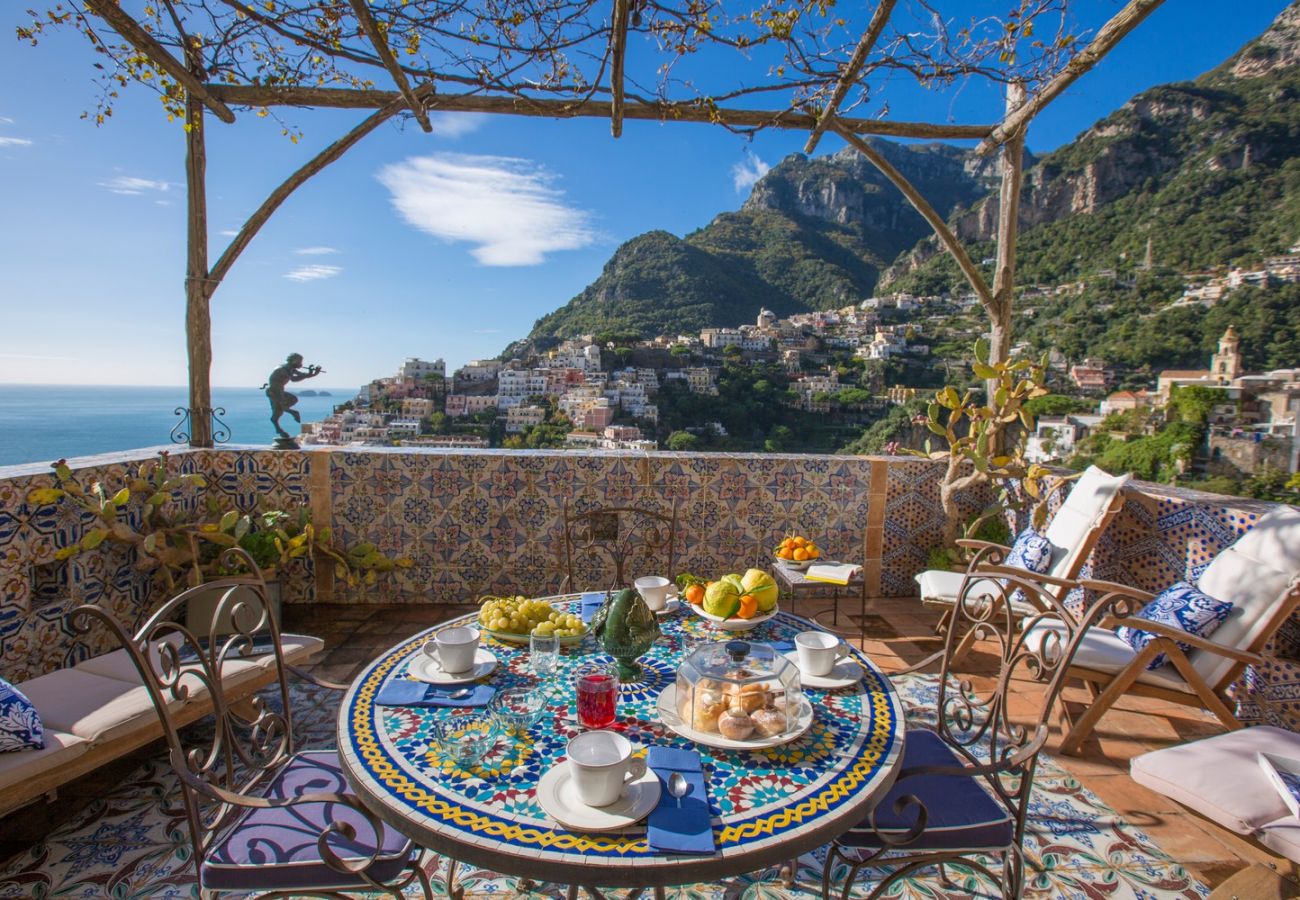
(448,244)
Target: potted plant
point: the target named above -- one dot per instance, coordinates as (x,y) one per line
(986,440)
(181,544)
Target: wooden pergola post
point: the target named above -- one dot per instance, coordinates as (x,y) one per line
(198,315)
(1004,275)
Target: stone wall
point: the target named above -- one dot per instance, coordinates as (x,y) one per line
(490,522)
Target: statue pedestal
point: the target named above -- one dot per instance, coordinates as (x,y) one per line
(284,442)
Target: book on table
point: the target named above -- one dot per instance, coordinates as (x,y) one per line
(832,573)
(1284,774)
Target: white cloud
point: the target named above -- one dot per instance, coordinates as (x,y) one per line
(456,124)
(26,356)
(748,171)
(14,142)
(315,251)
(487,330)
(5,120)
(228,232)
(312,273)
(130,185)
(507,208)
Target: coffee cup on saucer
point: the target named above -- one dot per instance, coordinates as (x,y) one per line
(601,763)
(819,651)
(655,590)
(453,649)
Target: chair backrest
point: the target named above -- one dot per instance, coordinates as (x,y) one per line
(1093,502)
(634,541)
(1260,576)
(977,720)
(248,741)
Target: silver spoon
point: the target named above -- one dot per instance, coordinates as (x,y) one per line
(678,787)
(458,694)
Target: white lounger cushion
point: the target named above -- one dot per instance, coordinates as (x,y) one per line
(1073,523)
(1103,650)
(1251,575)
(92,707)
(60,747)
(1219,778)
(942,585)
(118,664)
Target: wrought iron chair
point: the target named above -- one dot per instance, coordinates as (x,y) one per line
(621,536)
(963,790)
(263,816)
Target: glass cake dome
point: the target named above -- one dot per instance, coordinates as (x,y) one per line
(740,690)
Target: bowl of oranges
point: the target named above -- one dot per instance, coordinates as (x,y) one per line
(797,552)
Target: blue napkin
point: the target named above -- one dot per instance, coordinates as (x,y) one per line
(591,601)
(405,692)
(688,829)
(782,646)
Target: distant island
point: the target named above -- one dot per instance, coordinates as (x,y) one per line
(311,393)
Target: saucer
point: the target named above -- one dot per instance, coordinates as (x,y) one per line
(670,607)
(845,674)
(557,794)
(423,668)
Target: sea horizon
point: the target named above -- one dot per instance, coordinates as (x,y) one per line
(44,422)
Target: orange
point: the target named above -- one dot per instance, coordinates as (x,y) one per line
(785,553)
(800,555)
(748,606)
(800,541)
(813,552)
(695,594)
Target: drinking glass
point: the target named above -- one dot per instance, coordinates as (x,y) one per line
(544,653)
(596,685)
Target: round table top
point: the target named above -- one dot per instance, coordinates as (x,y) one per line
(768,806)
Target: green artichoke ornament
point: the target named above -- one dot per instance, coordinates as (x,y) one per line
(626,628)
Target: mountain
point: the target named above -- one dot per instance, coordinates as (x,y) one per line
(1206,171)
(1200,174)
(814,234)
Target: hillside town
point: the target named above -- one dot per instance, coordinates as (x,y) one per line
(854,363)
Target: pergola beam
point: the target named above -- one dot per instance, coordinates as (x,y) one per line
(617,60)
(346,98)
(1124,21)
(371,28)
(922,206)
(147,44)
(859,58)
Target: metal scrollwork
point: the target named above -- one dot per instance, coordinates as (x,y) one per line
(220,430)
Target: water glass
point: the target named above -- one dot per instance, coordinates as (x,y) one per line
(596,685)
(544,653)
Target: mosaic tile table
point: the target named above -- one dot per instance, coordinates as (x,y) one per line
(768,807)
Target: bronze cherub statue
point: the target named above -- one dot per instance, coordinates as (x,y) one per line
(282,401)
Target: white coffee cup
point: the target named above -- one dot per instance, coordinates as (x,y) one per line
(453,649)
(601,763)
(819,651)
(655,590)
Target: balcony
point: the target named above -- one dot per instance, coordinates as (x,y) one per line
(488,522)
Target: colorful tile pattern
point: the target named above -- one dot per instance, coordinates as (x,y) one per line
(490,522)
(132,842)
(826,774)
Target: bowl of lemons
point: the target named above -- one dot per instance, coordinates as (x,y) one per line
(515,619)
(797,552)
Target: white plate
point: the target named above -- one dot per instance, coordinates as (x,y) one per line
(558,796)
(669,608)
(509,637)
(846,673)
(423,668)
(735,624)
(793,563)
(667,709)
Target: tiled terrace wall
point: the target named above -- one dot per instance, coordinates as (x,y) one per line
(479,522)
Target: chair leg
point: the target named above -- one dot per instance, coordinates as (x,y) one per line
(945,620)
(1212,701)
(1115,689)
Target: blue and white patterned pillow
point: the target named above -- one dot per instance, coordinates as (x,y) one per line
(1031,552)
(1180,606)
(20,724)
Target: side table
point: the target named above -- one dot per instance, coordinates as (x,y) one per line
(795,584)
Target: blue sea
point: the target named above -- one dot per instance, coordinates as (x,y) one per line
(42,423)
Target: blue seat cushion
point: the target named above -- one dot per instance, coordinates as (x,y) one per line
(275,849)
(962,814)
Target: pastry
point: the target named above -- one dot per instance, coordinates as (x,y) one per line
(769,722)
(735,724)
(748,696)
(700,708)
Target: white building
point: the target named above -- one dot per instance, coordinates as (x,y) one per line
(479,370)
(521,418)
(419,369)
(718,338)
(399,427)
